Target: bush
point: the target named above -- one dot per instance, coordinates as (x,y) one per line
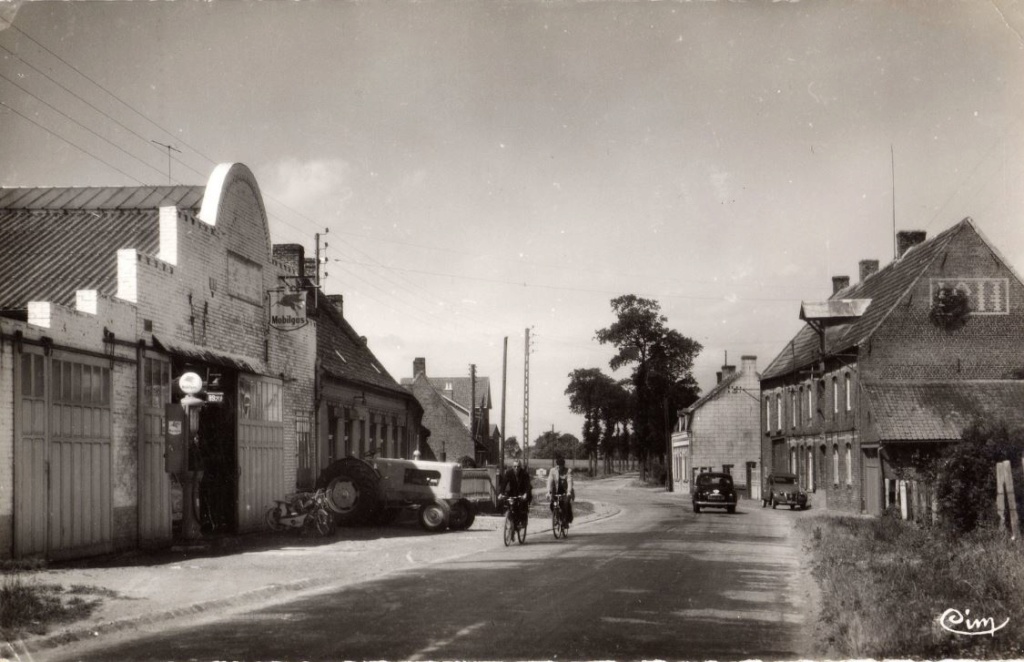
(966,488)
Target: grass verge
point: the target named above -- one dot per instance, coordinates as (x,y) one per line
(28,607)
(885,585)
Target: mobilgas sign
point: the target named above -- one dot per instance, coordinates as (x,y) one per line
(288,309)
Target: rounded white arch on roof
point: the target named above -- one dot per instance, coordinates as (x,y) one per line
(214,192)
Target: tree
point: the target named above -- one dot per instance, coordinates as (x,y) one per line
(662,360)
(512,449)
(552,443)
(588,388)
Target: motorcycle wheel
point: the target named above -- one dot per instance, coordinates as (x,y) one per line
(324,522)
(273,519)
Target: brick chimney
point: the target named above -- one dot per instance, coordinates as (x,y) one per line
(291,255)
(339,302)
(867,268)
(840,283)
(419,365)
(748,364)
(907,239)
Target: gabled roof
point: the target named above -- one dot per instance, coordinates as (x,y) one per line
(435,403)
(343,354)
(939,411)
(461,390)
(54,241)
(884,288)
(719,388)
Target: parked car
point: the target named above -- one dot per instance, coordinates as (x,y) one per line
(783,489)
(714,490)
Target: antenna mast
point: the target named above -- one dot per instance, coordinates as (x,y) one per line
(168,148)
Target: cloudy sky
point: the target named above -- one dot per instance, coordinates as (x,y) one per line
(488,167)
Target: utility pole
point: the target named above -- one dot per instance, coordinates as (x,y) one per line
(526,403)
(319,261)
(472,405)
(168,148)
(501,435)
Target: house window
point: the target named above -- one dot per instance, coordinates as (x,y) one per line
(849,465)
(810,469)
(793,407)
(767,413)
(835,465)
(727,469)
(792,460)
(778,412)
(846,386)
(835,396)
(810,401)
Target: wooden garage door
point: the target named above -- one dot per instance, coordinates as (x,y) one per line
(260,448)
(154,481)
(871,481)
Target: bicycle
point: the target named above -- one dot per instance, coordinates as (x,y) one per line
(515,520)
(559,521)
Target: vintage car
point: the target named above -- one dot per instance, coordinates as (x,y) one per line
(714,490)
(783,489)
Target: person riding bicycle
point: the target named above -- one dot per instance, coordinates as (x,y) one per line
(517,484)
(560,484)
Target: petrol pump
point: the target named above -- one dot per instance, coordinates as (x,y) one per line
(178,437)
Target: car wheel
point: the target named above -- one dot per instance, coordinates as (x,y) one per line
(696,508)
(772,501)
(730,509)
(435,516)
(763,503)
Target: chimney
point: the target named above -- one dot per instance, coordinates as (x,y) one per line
(419,365)
(291,255)
(867,268)
(907,239)
(748,364)
(339,302)
(840,283)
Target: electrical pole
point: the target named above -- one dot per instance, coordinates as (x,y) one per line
(472,405)
(526,403)
(501,435)
(319,261)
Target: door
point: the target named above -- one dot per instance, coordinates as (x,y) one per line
(871,481)
(31,477)
(260,449)
(154,482)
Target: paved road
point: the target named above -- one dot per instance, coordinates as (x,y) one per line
(655,581)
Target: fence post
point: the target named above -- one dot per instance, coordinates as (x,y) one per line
(1006,502)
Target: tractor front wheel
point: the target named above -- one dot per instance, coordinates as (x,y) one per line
(435,516)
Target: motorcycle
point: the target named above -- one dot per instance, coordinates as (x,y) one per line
(303,510)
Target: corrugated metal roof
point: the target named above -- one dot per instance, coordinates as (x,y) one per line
(102,197)
(939,411)
(884,289)
(54,241)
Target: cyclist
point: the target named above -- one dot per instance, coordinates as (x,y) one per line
(560,484)
(517,484)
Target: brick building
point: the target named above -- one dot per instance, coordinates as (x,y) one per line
(885,368)
(107,297)
(719,431)
(447,403)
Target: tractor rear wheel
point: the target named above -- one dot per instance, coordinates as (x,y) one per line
(352,491)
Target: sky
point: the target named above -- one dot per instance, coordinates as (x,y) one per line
(476,169)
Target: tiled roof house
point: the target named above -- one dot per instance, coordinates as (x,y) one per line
(875,375)
(446,403)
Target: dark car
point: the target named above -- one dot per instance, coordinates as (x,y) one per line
(783,489)
(714,490)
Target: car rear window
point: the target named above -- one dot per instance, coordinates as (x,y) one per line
(705,480)
(785,480)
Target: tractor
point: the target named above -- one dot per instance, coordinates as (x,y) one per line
(376,491)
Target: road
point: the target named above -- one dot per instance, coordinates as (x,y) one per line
(654,581)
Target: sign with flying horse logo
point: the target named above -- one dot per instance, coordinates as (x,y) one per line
(288,309)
